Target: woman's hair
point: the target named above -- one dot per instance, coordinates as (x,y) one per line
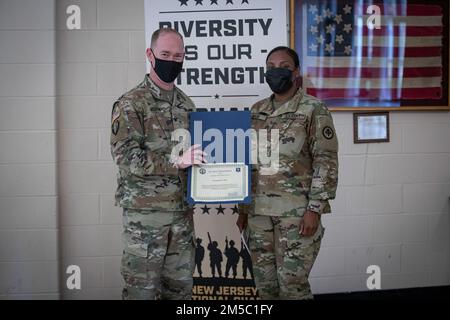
(290,52)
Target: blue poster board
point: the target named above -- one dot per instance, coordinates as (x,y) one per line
(216,132)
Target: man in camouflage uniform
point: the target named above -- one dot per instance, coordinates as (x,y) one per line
(158,226)
(284,218)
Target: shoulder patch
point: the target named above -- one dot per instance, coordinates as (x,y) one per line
(328,132)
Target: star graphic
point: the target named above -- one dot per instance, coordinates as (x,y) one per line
(216,96)
(213,2)
(183,2)
(313,8)
(313,29)
(330,28)
(347,9)
(205,209)
(235,209)
(313,47)
(320,39)
(318,19)
(339,38)
(229,1)
(244,1)
(327,13)
(329,47)
(348,50)
(348,27)
(220,209)
(338,18)
(198,2)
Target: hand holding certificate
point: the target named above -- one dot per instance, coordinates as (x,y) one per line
(219,182)
(224,137)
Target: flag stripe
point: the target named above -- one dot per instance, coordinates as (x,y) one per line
(417,21)
(408,31)
(408,10)
(400,52)
(374,83)
(418,42)
(407,93)
(373,72)
(401,41)
(345,62)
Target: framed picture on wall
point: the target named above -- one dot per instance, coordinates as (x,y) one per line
(392,55)
(370,127)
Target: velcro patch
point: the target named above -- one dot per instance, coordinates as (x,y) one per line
(328,133)
(298,116)
(115,127)
(115,114)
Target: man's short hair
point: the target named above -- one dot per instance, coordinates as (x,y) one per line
(161,31)
(290,52)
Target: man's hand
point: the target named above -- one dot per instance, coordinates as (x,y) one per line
(309,223)
(242,221)
(192,156)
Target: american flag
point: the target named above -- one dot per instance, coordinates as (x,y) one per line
(345,59)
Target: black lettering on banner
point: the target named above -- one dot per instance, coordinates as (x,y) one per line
(233,52)
(199,27)
(219,28)
(216,76)
(206,76)
(215,26)
(265,26)
(230,27)
(165,24)
(191,52)
(251,22)
(210,75)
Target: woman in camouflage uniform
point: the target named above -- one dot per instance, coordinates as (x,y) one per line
(284,218)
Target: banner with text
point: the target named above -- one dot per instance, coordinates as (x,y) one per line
(226,45)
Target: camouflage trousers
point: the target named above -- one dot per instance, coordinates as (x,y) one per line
(282,258)
(158,257)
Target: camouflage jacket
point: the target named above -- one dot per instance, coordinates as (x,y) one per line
(308,162)
(142,122)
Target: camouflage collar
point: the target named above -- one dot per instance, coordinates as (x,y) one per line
(159,93)
(265,108)
(291,107)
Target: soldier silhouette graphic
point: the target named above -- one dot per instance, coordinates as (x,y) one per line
(232,255)
(199,255)
(215,257)
(246,261)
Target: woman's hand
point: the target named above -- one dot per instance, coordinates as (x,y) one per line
(242,221)
(309,223)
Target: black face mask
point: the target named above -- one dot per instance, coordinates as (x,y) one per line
(167,70)
(279,79)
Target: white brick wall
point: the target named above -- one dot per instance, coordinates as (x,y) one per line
(28,202)
(95,65)
(392,207)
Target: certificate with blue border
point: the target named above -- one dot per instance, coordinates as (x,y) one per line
(226,178)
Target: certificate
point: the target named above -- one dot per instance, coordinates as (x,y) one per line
(219,182)
(227,175)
